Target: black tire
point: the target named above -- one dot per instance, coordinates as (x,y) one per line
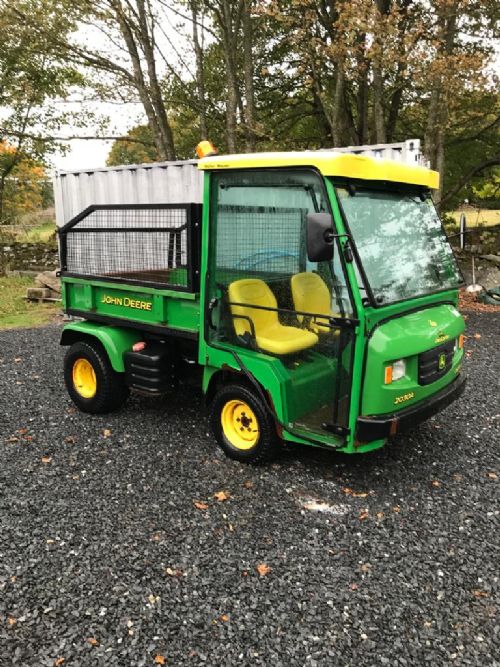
(111,392)
(267,444)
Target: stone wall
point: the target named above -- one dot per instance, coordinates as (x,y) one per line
(28,257)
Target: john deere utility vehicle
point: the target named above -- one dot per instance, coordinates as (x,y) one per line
(313,295)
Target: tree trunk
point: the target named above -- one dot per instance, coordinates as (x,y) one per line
(148,44)
(231,104)
(134,27)
(362,102)
(338,101)
(437,115)
(378,109)
(228,15)
(248,75)
(200,73)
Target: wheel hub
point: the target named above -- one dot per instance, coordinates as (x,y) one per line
(239,424)
(84,379)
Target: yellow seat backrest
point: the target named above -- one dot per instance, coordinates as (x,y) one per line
(310,294)
(253,292)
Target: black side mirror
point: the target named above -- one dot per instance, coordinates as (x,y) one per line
(319,237)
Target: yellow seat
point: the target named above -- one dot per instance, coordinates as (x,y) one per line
(270,335)
(311,295)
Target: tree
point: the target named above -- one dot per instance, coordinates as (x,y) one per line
(32,74)
(138,151)
(23,189)
(128,62)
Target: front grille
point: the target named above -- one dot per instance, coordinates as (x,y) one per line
(435,363)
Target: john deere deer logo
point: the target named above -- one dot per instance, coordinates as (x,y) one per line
(442,361)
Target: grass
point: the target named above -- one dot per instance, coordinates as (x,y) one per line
(39,234)
(16,312)
(476,217)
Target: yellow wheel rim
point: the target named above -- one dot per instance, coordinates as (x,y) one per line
(239,424)
(84,379)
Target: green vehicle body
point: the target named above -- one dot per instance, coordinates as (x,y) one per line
(379,335)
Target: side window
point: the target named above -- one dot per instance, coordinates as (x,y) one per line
(259,236)
(261,220)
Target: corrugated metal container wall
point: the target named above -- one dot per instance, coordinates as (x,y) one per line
(158,183)
(408,152)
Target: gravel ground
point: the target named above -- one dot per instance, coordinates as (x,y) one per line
(319,559)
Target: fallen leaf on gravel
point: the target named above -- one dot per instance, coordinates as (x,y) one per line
(364,514)
(477,335)
(106,432)
(200,505)
(248,484)
(354,494)
(160,660)
(427,624)
(221,496)
(17,360)
(59,661)
(46,460)
(154,599)
(12,439)
(354,587)
(224,618)
(92,641)
(11,620)
(396,509)
(22,431)
(366,567)
(380,515)
(173,572)
(436,483)
(70,439)
(263,569)
(157,537)
(480,594)
(492,475)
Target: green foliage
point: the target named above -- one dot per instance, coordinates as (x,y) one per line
(32,74)
(139,151)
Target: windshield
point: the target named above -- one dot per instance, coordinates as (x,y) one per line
(401,244)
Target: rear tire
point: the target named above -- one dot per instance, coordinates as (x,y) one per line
(243,425)
(91,382)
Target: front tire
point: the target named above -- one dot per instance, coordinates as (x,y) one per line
(91,382)
(243,425)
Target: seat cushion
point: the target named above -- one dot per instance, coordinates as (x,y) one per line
(285,340)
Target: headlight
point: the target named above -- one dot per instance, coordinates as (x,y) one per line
(395,371)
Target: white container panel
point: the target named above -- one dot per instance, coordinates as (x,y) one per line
(159,183)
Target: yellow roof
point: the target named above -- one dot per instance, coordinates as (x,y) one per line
(329,163)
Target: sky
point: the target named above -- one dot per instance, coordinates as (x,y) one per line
(91,153)
(172,38)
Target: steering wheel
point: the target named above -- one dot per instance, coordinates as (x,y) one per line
(256,258)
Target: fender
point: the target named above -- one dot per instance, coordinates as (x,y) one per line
(115,340)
